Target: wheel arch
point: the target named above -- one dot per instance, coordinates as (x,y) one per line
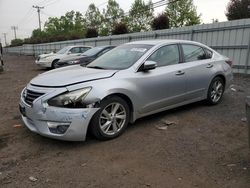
(128,101)
(220,76)
(54,61)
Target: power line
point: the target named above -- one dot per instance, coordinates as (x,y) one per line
(26,15)
(38,11)
(51,3)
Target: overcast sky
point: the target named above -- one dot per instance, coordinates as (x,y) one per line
(21,14)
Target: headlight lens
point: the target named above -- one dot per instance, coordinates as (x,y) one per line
(73,99)
(73,62)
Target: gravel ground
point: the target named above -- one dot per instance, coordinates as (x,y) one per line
(206,146)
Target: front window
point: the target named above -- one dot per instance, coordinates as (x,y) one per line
(167,55)
(63,50)
(121,57)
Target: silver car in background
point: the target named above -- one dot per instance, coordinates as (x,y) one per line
(49,60)
(129,82)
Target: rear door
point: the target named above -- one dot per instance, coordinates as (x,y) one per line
(199,68)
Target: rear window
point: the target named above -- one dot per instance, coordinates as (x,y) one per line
(193,53)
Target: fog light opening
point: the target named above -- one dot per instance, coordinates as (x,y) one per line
(58,128)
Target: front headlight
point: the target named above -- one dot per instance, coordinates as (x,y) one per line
(73,99)
(73,62)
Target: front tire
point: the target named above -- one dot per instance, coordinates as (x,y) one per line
(111,120)
(215,91)
(53,65)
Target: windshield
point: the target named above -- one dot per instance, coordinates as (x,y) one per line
(63,50)
(121,57)
(93,51)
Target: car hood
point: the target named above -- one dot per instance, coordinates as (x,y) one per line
(70,75)
(71,58)
(54,56)
(46,55)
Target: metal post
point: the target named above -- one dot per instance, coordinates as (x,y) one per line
(192,35)
(248,54)
(129,38)
(110,40)
(155,35)
(248,117)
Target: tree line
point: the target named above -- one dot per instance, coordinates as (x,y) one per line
(113,20)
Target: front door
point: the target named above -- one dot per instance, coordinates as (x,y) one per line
(164,86)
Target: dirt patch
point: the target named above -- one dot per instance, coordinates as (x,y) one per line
(191,146)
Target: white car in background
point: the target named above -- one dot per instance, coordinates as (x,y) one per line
(49,60)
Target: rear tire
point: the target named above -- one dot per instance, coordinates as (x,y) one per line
(215,91)
(111,120)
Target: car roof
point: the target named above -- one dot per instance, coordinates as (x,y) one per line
(79,46)
(106,46)
(164,41)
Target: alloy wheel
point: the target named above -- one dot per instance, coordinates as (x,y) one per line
(217,91)
(112,118)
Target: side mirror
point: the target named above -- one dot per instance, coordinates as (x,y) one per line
(69,52)
(149,65)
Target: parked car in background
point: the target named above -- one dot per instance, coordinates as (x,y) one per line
(1,57)
(49,60)
(85,58)
(129,82)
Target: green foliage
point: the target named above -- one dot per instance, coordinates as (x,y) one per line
(112,15)
(112,20)
(182,13)
(93,18)
(69,26)
(16,42)
(238,9)
(160,22)
(140,16)
(120,28)
(91,33)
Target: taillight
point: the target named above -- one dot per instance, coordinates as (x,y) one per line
(229,62)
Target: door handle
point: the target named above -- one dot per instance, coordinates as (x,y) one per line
(209,65)
(180,73)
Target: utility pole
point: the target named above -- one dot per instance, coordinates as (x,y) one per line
(38,11)
(14,28)
(5,40)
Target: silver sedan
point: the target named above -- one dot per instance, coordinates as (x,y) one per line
(129,82)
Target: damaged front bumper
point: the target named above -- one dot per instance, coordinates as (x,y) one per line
(58,123)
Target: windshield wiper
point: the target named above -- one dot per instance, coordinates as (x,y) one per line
(95,67)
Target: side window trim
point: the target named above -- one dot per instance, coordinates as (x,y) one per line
(181,54)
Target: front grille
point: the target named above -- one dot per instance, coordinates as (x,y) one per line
(29,96)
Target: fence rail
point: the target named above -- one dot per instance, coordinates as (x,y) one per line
(231,39)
